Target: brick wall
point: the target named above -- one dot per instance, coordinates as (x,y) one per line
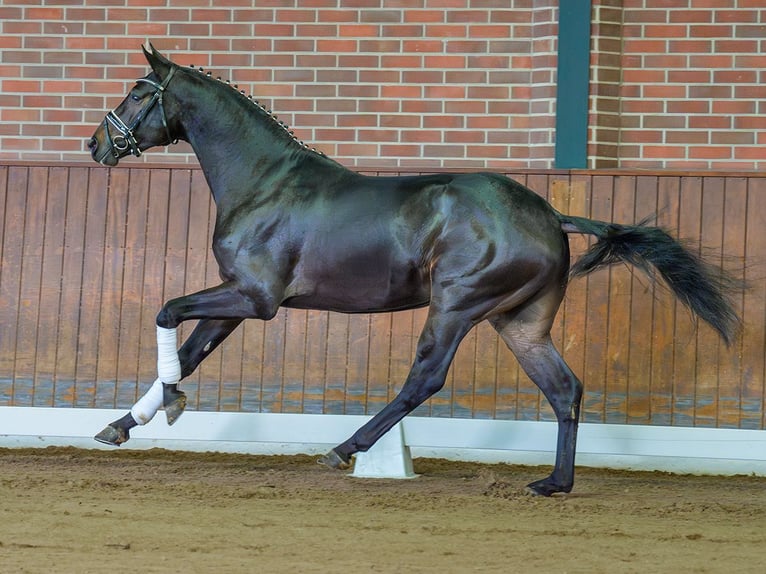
(445,82)
(693,91)
(415,83)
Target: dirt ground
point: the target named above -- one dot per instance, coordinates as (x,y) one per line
(80,511)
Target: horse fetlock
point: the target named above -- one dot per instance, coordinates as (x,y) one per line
(148,405)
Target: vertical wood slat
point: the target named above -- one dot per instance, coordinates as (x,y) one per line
(594,373)
(661,328)
(113,263)
(81,297)
(711,234)
(71,283)
(733,246)
(50,285)
(641,309)
(14,203)
(128,355)
(92,292)
(753,340)
(30,287)
(620,294)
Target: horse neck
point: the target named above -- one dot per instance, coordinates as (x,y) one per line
(235,141)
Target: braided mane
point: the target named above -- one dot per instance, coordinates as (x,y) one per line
(260,106)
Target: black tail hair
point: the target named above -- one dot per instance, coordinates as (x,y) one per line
(699,285)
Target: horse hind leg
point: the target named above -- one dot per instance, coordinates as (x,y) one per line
(532,346)
(438,342)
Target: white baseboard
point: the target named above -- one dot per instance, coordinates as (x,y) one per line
(672,449)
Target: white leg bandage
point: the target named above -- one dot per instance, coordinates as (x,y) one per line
(148,405)
(168,365)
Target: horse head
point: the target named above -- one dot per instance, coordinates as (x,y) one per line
(142,120)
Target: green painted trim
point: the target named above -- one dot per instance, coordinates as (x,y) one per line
(573,80)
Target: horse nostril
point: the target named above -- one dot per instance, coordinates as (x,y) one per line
(92,143)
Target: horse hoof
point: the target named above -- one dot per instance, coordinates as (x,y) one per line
(176,408)
(333,460)
(545,488)
(114,436)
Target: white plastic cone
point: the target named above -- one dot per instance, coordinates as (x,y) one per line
(387,458)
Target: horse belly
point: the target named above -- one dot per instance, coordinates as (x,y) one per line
(364,284)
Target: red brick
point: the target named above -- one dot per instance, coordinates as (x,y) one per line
(381,16)
(642,76)
(273,30)
(689,76)
(41,130)
(757,92)
(316,31)
(380,136)
(688,107)
(379,45)
(445,31)
(710,152)
(686,137)
(399,61)
(666,91)
(710,91)
(463,107)
(338,16)
(400,150)
(735,76)
(756,153)
(465,136)
(738,15)
(399,121)
(402,31)
(691,16)
(711,31)
(358,30)
(641,46)
(738,46)
(419,46)
(336,45)
(710,122)
(467,46)
(662,152)
(490,31)
(64,86)
(425,16)
(36,13)
(733,138)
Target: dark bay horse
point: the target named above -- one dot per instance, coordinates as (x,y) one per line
(296,229)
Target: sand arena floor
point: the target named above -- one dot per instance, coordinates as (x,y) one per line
(80,511)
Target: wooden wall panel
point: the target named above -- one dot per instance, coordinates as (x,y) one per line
(88,256)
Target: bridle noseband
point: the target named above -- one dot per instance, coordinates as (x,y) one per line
(126,140)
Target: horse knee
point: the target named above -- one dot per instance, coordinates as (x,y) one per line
(168,317)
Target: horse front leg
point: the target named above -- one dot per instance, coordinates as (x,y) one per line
(436,349)
(205,338)
(220,310)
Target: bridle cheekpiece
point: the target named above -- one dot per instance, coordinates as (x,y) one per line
(126,140)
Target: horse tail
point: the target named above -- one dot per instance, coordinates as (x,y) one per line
(702,287)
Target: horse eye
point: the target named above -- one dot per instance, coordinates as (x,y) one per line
(135,98)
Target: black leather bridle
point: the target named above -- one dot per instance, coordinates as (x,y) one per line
(119,144)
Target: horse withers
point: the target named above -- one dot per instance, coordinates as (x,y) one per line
(296,229)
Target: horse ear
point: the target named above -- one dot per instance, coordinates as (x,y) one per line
(159,63)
